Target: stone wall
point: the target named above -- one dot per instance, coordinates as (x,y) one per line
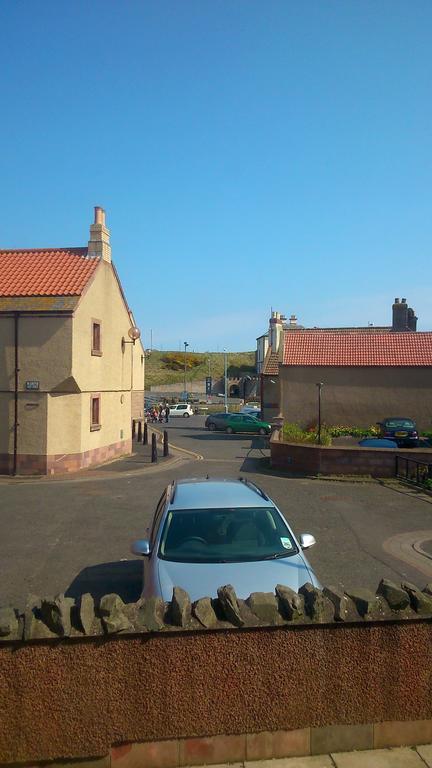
(279,672)
(307,459)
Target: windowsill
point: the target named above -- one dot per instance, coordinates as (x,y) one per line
(96,353)
(95,427)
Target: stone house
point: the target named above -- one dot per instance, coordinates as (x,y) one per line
(71,376)
(367,372)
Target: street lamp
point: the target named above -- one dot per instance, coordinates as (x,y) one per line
(226,382)
(184,388)
(320,386)
(245,380)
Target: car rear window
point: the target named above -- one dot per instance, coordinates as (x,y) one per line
(225,535)
(399,423)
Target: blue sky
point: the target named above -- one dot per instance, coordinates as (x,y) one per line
(249,155)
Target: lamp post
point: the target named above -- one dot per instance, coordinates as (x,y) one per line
(226,382)
(320,386)
(184,388)
(245,380)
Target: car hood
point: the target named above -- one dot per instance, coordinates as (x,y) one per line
(203,579)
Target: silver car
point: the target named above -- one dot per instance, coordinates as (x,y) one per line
(207,533)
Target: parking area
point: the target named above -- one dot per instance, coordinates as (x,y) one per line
(73,536)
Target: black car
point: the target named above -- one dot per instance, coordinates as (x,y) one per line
(216,421)
(401,429)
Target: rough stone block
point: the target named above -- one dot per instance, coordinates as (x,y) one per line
(229,604)
(86,613)
(318,607)
(204,612)
(180,607)
(151,613)
(420,602)
(364,600)
(111,609)
(291,604)
(8,623)
(264,605)
(396,597)
(428,589)
(344,608)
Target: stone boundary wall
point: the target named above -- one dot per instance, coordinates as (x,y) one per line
(300,458)
(216,680)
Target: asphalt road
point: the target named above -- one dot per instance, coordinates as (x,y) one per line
(73,536)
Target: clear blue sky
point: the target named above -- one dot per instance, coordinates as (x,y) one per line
(249,155)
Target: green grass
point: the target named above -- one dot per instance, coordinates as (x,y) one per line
(158,372)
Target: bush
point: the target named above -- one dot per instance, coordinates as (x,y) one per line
(175,361)
(340,431)
(292,433)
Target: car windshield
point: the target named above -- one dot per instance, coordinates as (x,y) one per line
(225,535)
(399,424)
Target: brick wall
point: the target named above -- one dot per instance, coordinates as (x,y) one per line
(327,460)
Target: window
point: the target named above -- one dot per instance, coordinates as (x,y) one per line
(95,420)
(96,338)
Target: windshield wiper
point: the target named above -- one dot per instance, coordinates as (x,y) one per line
(276,555)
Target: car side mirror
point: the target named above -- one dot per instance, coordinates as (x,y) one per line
(141,547)
(307,540)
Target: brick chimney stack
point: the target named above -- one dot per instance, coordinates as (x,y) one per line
(404,318)
(275,330)
(99,243)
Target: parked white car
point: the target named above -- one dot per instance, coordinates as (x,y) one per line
(181,409)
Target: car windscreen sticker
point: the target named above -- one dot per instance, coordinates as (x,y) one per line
(286,542)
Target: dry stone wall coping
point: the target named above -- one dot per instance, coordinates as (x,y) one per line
(64,618)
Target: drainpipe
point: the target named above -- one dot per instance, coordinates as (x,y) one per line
(16,425)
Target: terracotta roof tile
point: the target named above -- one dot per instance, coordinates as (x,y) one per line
(45,271)
(271,364)
(358,349)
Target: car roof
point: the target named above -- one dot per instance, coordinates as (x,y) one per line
(216,494)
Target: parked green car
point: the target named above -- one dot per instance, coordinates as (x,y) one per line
(242,422)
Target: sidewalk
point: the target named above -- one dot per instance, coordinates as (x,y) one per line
(400,757)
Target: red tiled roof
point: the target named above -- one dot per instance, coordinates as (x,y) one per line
(271,364)
(45,272)
(358,349)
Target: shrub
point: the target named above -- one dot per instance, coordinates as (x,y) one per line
(175,361)
(292,433)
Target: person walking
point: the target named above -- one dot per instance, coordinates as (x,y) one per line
(167,413)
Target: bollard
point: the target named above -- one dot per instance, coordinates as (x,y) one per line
(133,428)
(165,443)
(154,448)
(145,434)
(139,435)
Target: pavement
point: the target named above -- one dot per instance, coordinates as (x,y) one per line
(400,757)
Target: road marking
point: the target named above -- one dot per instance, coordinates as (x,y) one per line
(407,548)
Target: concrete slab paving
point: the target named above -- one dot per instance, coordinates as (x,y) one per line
(315,761)
(400,757)
(425,752)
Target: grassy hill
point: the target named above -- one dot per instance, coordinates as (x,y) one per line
(168,367)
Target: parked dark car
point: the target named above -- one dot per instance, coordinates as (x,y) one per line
(401,429)
(377,442)
(216,421)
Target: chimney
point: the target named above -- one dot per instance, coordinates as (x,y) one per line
(99,243)
(293,321)
(412,320)
(275,331)
(400,315)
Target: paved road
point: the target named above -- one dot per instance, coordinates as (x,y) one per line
(74,536)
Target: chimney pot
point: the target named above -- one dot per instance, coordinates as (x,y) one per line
(396,301)
(403,301)
(99,215)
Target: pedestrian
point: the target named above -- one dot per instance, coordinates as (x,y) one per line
(167,413)
(162,415)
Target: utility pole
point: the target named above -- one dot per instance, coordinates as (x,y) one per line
(184,388)
(226,382)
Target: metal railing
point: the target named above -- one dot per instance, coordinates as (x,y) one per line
(413,471)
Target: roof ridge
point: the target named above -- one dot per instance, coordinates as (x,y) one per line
(43,250)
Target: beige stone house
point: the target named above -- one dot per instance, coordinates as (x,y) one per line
(71,379)
(367,373)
